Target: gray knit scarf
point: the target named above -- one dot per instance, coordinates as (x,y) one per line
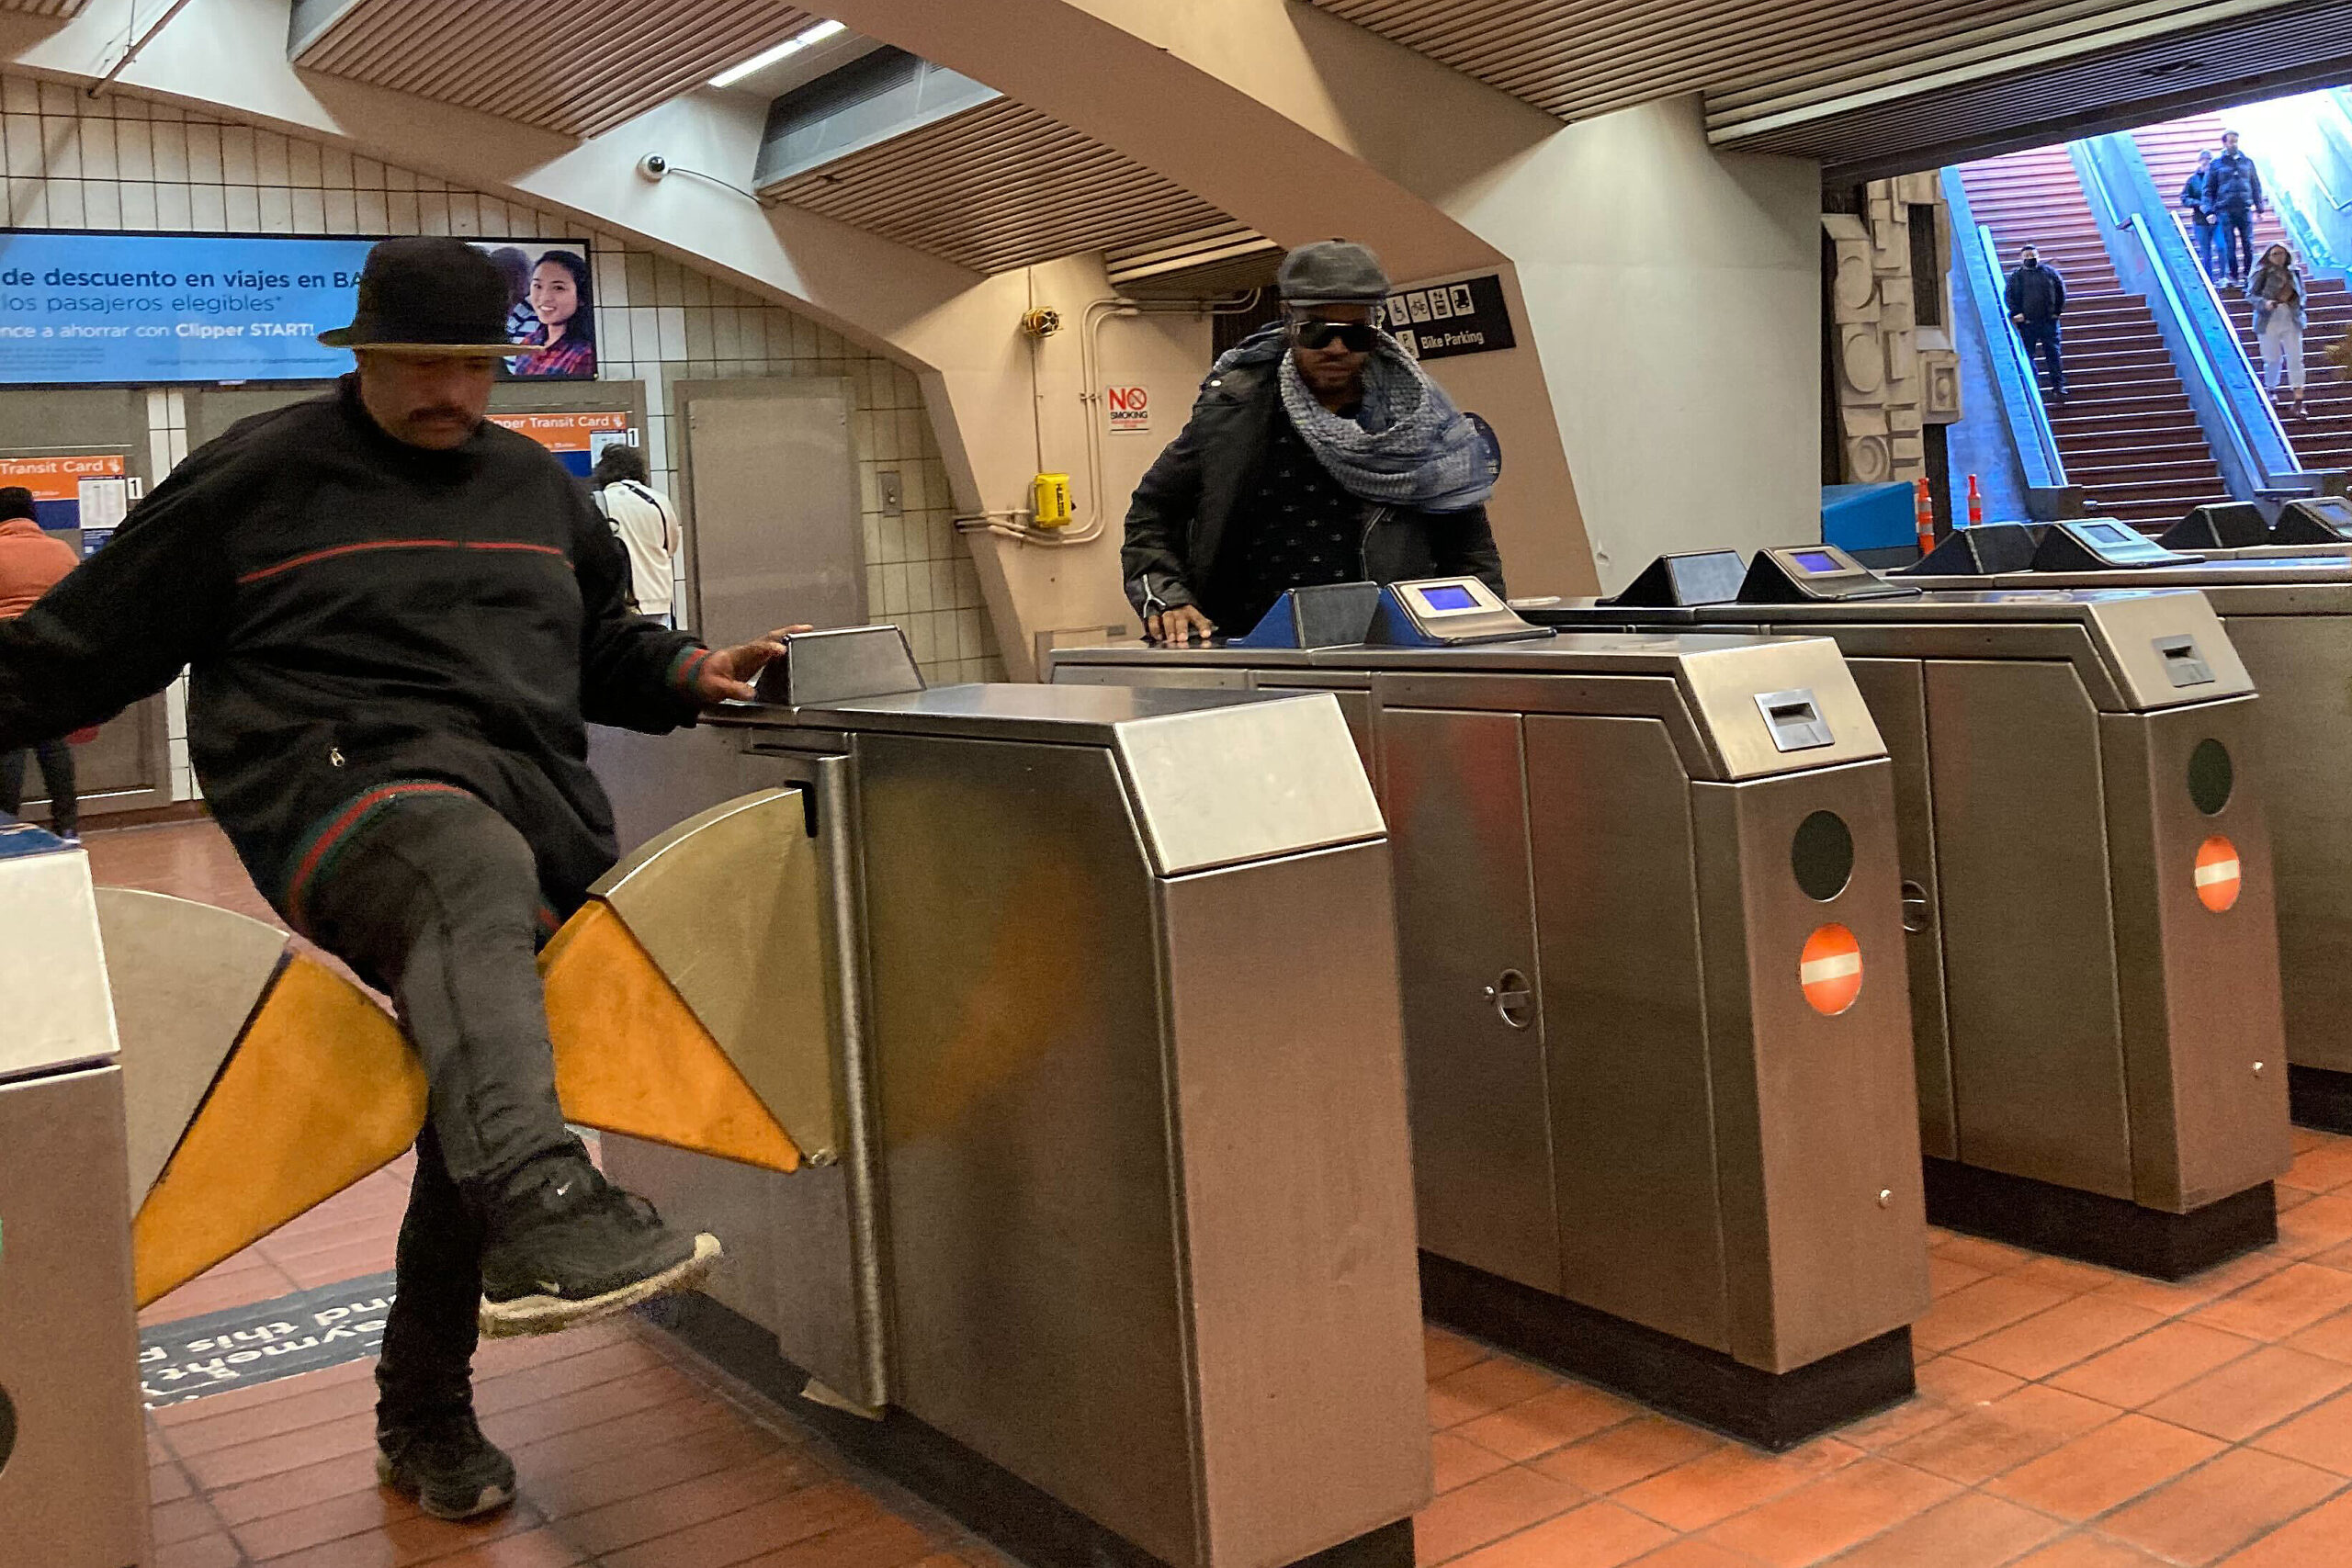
(1407,444)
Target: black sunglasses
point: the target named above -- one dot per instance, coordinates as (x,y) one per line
(1356,337)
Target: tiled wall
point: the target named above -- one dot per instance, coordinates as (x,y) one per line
(121,161)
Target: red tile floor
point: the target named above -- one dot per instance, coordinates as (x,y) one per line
(2067,1417)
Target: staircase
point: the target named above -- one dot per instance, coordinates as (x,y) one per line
(2322,439)
(2126,434)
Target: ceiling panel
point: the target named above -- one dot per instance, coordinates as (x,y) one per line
(45,7)
(1893,84)
(1577,60)
(576,66)
(2265,54)
(999,187)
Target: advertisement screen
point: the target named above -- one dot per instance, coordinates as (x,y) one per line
(113,309)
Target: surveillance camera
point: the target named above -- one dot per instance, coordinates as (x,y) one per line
(653,165)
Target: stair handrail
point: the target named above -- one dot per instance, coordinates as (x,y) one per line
(2045,467)
(2240,422)
(1976,259)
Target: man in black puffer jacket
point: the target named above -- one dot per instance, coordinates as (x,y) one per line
(1318,452)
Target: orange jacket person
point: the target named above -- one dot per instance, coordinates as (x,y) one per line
(30,564)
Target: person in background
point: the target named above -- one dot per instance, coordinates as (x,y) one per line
(2035,296)
(32,563)
(1318,451)
(2201,226)
(645,522)
(2233,195)
(399,620)
(2281,311)
(564,302)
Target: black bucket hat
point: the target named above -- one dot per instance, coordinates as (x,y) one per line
(431,295)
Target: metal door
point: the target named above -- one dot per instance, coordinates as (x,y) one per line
(771,491)
(1897,691)
(2037,1046)
(1456,795)
(72,1462)
(1640,1221)
(2201,1019)
(2298,670)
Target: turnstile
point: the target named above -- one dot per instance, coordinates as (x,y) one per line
(2290,618)
(2095,1009)
(72,1451)
(1115,1258)
(1658,1031)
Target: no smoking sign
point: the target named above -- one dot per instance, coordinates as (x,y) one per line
(1129,409)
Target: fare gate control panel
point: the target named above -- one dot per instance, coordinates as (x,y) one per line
(1445,612)
(2079,545)
(1799,574)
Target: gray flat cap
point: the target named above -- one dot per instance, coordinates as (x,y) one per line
(1333,272)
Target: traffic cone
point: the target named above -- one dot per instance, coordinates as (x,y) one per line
(1924,512)
(1975,503)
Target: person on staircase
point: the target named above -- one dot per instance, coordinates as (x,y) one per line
(2234,193)
(2037,298)
(2282,301)
(2194,202)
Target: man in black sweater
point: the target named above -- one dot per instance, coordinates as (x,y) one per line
(2037,298)
(398,620)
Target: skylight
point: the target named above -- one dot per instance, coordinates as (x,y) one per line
(786,50)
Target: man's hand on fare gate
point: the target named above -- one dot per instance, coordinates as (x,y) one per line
(729,671)
(1178,625)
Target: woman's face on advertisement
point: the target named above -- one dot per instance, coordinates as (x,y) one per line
(554,297)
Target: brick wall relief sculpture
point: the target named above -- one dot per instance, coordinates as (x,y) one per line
(1895,375)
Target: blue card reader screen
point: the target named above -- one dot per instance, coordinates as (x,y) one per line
(1449,597)
(1816,560)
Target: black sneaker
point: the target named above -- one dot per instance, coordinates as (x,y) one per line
(447,1467)
(567,1248)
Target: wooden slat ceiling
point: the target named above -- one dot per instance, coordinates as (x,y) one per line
(1841,79)
(999,186)
(1577,60)
(576,66)
(2261,55)
(45,7)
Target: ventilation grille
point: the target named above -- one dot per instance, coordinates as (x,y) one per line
(2265,54)
(576,66)
(999,187)
(865,103)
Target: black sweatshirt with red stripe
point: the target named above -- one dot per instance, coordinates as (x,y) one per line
(355,611)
